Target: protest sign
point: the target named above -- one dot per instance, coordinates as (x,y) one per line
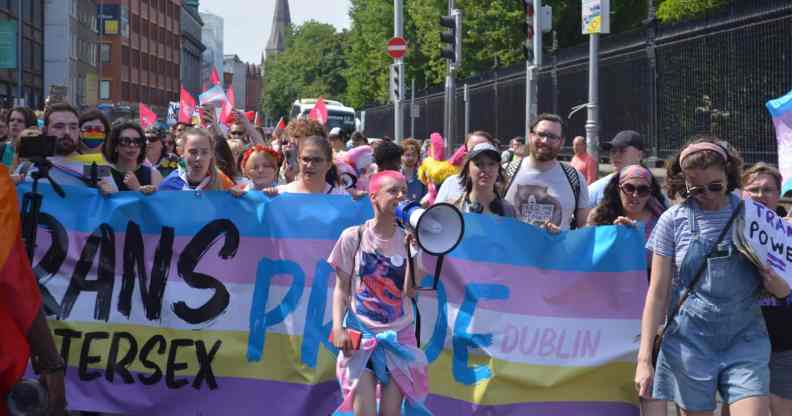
(765,238)
(185,303)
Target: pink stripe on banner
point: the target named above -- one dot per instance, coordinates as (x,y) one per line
(238,396)
(553,293)
(239,269)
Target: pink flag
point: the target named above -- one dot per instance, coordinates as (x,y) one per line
(186,106)
(214,78)
(147,117)
(227,116)
(319,112)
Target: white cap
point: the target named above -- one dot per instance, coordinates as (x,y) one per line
(335,131)
(482,148)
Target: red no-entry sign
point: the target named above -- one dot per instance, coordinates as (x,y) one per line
(397,47)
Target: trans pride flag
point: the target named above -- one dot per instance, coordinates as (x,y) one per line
(781,111)
(184,303)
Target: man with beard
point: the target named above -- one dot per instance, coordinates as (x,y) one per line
(544,191)
(62,123)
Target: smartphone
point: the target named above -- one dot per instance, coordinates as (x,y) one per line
(102,171)
(354,336)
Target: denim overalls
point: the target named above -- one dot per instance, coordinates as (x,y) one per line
(718,340)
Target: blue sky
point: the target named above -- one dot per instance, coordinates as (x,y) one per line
(247,27)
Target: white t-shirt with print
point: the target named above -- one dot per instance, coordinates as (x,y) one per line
(540,196)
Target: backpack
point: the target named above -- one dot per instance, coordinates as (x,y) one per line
(570,172)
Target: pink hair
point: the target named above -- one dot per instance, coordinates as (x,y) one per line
(375,183)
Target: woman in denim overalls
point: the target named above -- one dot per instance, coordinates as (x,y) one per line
(718,340)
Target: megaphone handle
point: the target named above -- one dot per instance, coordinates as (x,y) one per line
(438,269)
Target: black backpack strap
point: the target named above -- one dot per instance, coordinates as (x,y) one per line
(511,171)
(574,181)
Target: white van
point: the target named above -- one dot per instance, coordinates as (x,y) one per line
(338,115)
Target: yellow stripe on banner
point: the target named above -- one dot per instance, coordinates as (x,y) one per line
(280,361)
(521,383)
(512,382)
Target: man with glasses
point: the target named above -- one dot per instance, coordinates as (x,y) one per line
(625,149)
(544,191)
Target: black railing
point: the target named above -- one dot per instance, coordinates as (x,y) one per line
(709,75)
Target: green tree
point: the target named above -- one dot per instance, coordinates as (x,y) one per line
(312,65)
(675,10)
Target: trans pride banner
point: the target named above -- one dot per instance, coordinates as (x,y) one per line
(781,112)
(186,303)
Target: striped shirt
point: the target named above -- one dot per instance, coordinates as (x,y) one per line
(672,235)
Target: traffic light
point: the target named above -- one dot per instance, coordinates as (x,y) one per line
(528,29)
(396,91)
(452,37)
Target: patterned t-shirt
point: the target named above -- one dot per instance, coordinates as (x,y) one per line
(377,290)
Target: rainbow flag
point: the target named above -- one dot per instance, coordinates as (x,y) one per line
(188,303)
(20,300)
(781,112)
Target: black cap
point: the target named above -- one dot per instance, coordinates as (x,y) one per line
(623,139)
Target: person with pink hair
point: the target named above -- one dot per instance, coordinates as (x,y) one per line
(373,323)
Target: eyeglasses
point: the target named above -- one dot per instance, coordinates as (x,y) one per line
(630,189)
(152,139)
(546,135)
(236,133)
(92,129)
(131,141)
(312,160)
(715,187)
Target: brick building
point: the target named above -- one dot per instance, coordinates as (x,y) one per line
(253,88)
(139,52)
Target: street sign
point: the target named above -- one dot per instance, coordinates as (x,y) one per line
(397,47)
(596,16)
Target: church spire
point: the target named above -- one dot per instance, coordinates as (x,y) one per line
(280,24)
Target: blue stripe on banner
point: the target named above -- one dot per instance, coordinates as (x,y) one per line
(323,217)
(780,105)
(594,242)
(255,215)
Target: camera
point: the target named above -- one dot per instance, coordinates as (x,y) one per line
(36,147)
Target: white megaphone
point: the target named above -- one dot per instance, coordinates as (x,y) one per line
(438,229)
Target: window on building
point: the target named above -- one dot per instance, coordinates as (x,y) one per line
(104,89)
(125,91)
(105,52)
(125,55)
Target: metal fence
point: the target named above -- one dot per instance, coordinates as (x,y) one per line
(668,82)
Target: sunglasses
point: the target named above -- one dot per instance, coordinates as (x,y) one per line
(131,141)
(152,139)
(640,190)
(92,129)
(715,187)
